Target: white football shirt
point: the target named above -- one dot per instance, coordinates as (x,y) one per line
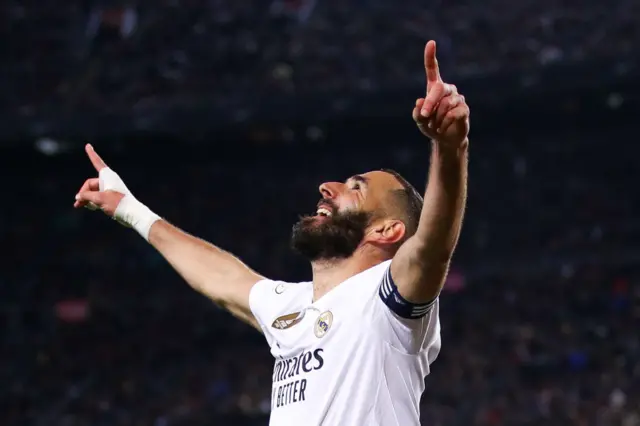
(346,359)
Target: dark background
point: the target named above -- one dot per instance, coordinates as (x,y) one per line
(225,116)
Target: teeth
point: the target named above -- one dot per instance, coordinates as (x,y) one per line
(323,212)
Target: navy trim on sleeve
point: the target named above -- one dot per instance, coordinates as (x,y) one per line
(391,297)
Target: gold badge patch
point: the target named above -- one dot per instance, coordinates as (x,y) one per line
(287,321)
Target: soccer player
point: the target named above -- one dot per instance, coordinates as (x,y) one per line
(353,346)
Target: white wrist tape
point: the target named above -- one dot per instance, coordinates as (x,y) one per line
(133,213)
(130,212)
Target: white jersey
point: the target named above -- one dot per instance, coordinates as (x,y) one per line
(347,359)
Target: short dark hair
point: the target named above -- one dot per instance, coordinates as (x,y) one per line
(409,201)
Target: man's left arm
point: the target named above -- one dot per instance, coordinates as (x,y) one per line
(419,268)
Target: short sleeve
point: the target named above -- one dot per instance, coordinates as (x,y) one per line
(408,328)
(270,300)
(258,298)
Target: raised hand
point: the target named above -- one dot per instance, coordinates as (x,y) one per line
(443,115)
(104,192)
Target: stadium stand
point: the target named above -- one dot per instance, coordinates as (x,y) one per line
(540,313)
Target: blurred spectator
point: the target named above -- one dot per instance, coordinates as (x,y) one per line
(540,312)
(237,52)
(98,330)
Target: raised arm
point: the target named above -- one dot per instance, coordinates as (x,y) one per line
(211,271)
(420,266)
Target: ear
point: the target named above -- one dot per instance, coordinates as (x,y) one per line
(386,232)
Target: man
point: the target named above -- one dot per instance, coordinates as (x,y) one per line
(352,347)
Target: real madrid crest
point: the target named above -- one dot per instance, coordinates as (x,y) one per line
(323,324)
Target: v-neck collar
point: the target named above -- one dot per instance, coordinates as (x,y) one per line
(331,294)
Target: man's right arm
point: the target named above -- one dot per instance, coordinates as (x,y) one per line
(208,269)
(211,271)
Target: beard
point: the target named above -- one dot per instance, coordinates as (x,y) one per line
(329,238)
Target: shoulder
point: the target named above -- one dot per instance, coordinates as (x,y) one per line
(372,277)
(278,287)
(268,297)
(408,327)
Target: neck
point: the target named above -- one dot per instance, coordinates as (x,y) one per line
(328,274)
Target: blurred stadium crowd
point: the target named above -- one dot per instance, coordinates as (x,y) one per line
(541,310)
(539,315)
(115,54)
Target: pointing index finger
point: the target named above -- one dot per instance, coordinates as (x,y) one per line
(431,64)
(94,158)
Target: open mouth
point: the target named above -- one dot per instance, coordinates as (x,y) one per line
(323,212)
(324,209)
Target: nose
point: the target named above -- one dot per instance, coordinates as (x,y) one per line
(330,190)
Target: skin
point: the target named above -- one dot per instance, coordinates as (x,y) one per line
(420,265)
(365,192)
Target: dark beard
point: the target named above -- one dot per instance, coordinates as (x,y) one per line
(337,237)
